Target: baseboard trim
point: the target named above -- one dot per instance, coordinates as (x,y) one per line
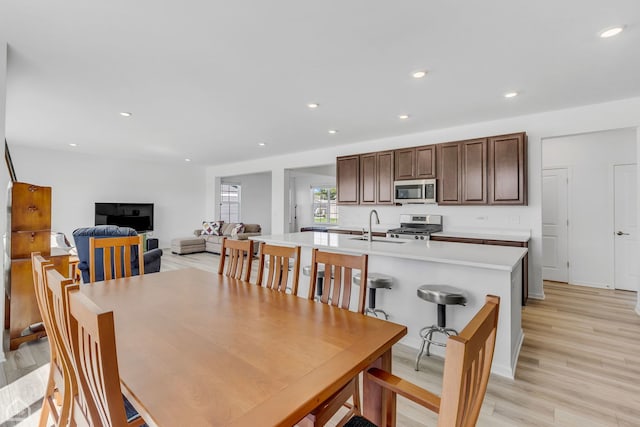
(514,362)
(536,296)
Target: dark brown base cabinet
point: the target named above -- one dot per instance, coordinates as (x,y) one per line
(525,261)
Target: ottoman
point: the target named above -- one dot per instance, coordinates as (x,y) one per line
(187,245)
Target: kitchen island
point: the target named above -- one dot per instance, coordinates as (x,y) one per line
(477,269)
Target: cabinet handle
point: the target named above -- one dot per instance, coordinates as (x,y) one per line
(33,237)
(32,208)
(33,188)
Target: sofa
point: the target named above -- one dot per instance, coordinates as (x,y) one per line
(209,237)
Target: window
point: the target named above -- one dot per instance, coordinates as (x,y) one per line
(230,202)
(323,205)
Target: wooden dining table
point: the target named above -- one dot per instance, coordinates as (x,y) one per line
(200,349)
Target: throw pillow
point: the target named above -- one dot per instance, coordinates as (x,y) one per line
(211,228)
(238,228)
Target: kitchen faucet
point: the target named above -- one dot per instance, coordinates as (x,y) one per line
(373,211)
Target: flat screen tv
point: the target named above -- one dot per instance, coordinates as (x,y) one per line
(138,216)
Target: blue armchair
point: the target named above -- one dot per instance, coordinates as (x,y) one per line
(81,237)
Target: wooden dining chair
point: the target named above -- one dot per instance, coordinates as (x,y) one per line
(56,402)
(116,256)
(467,366)
(58,288)
(93,345)
(279,259)
(240,253)
(337,291)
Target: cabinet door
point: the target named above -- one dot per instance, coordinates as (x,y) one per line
(404,163)
(348,179)
(425,162)
(474,172)
(508,170)
(384,184)
(30,207)
(449,173)
(368,179)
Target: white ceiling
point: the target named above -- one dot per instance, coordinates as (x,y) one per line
(208,80)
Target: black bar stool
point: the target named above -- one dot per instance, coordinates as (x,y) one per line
(375,281)
(306,270)
(442,295)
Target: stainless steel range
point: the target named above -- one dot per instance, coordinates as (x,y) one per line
(416,227)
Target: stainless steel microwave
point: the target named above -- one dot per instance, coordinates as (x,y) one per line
(415,191)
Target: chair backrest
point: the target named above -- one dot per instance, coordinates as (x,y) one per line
(93,341)
(59,288)
(58,361)
(338,272)
(116,254)
(81,238)
(279,258)
(240,252)
(467,367)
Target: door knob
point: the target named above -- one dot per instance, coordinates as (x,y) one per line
(620,233)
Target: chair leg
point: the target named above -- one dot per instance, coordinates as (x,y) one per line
(417,368)
(429,337)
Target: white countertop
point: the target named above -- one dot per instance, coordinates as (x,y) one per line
(508,235)
(482,256)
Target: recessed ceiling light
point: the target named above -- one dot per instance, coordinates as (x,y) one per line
(333,131)
(73,144)
(261,144)
(125,114)
(187,160)
(418,74)
(610,32)
(313,105)
(510,94)
(403,116)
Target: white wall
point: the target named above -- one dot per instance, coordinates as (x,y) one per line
(79,180)
(255,203)
(4,176)
(589,159)
(590,118)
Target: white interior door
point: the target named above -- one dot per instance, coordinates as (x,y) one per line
(626,228)
(555,225)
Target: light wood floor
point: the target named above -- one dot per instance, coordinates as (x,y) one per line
(579,365)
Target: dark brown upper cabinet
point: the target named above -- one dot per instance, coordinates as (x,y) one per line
(348,179)
(415,163)
(376,178)
(474,172)
(449,183)
(507,171)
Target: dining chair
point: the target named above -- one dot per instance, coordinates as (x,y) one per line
(116,256)
(240,257)
(81,409)
(467,366)
(57,287)
(280,259)
(93,345)
(337,291)
(57,395)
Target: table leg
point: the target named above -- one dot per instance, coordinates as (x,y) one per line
(378,403)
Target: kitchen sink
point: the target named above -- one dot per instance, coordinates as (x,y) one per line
(364,239)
